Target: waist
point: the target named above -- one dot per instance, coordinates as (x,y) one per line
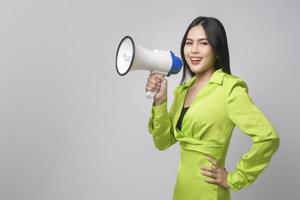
(214,151)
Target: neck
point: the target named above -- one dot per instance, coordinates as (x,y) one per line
(203,77)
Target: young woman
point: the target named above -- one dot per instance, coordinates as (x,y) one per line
(205,110)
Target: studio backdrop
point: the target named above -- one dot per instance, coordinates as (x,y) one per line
(72,128)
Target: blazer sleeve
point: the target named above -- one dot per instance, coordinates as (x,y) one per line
(160,125)
(250,119)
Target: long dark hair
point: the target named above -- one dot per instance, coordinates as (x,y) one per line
(216,37)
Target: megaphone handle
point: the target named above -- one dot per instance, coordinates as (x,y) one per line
(150,95)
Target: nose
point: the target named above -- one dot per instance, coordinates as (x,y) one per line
(195,49)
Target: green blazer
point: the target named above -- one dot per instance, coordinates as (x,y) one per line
(208,124)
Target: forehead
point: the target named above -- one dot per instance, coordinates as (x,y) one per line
(196,32)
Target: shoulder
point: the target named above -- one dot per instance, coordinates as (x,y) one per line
(233,82)
(177,89)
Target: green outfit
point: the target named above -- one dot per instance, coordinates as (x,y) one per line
(206,130)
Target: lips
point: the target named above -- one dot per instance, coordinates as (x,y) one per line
(195,60)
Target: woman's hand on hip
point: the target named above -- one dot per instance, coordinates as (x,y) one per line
(216,174)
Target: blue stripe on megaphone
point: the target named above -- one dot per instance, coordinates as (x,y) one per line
(176,64)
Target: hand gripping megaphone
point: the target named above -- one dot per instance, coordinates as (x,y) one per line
(132,57)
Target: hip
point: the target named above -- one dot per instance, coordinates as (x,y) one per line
(191,184)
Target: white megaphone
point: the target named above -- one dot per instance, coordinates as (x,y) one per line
(131,57)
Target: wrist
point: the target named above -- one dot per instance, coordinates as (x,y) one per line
(159,102)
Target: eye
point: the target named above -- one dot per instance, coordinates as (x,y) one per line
(188,43)
(204,43)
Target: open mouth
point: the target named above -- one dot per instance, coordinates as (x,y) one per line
(195,60)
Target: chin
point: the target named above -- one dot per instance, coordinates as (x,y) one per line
(198,69)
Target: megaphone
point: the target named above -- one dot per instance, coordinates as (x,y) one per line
(132,57)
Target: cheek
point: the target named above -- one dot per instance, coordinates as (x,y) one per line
(208,51)
(186,52)
(209,54)
(211,60)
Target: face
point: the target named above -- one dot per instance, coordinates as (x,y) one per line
(198,53)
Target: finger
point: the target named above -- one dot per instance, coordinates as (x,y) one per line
(158,80)
(156,74)
(209,174)
(152,85)
(212,181)
(160,76)
(209,169)
(153,80)
(153,75)
(212,161)
(150,89)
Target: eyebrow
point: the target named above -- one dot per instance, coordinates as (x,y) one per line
(200,39)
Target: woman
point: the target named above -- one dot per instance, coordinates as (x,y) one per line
(205,110)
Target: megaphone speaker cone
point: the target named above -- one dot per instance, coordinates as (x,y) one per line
(125,55)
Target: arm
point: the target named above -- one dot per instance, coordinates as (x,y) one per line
(250,119)
(160,126)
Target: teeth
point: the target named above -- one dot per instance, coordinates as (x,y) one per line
(195,59)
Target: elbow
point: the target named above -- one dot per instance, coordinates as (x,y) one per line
(163,140)
(161,147)
(276,143)
(270,144)
(275,140)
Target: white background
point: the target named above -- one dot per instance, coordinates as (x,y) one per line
(71,128)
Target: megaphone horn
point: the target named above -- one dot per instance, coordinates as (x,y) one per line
(130,57)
